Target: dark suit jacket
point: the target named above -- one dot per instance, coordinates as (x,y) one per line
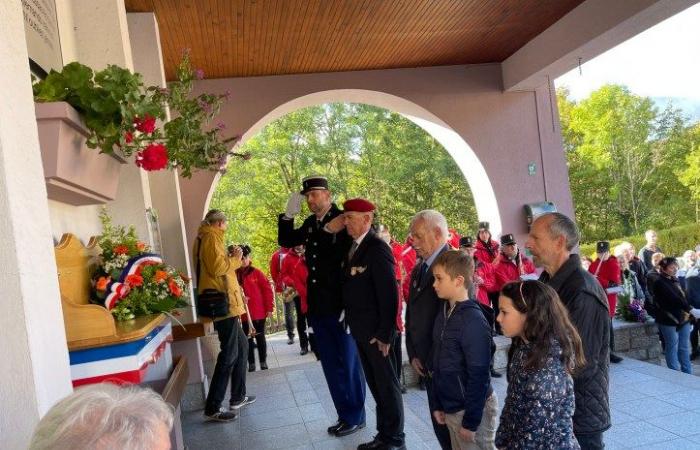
(370,292)
(421,307)
(324,255)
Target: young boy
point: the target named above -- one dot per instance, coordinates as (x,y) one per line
(463,395)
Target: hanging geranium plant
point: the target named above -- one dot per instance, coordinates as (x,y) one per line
(122,115)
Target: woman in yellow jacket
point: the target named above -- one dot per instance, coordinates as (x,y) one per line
(217,270)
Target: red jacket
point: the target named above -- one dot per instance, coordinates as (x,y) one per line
(485,271)
(608,275)
(294,274)
(482,253)
(396,250)
(276,268)
(506,270)
(257,288)
(408,262)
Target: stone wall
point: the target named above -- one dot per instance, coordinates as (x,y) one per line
(637,340)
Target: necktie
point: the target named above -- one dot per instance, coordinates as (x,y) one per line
(421,273)
(352,250)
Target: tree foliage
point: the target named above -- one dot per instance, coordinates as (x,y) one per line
(625,162)
(363,150)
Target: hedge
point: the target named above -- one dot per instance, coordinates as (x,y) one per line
(673,241)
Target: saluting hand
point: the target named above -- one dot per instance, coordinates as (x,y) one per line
(336,224)
(384,348)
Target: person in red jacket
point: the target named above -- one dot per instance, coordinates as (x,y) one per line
(276,273)
(486,247)
(294,274)
(258,291)
(510,264)
(607,270)
(399,272)
(482,283)
(408,262)
(453,238)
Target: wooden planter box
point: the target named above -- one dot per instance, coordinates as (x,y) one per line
(74,173)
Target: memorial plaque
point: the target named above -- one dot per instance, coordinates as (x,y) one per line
(41,32)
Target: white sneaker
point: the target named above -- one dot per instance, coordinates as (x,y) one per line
(247,400)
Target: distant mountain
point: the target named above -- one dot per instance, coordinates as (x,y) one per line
(689,106)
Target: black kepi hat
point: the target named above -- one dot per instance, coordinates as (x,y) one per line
(602,247)
(314,183)
(466,241)
(484,226)
(507,239)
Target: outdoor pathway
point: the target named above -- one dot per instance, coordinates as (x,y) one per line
(652,408)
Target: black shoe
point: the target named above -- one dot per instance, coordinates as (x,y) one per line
(247,400)
(290,341)
(304,351)
(346,429)
(263,366)
(251,367)
(374,444)
(615,359)
(221,416)
(333,428)
(495,374)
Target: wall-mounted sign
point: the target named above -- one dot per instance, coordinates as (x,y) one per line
(41,32)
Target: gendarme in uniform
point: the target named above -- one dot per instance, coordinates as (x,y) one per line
(325,252)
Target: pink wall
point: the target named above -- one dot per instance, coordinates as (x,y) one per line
(506,131)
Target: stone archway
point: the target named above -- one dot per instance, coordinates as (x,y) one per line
(460,151)
(507,144)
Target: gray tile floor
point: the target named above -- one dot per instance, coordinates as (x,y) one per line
(652,408)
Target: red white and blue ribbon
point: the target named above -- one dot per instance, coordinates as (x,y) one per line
(117,289)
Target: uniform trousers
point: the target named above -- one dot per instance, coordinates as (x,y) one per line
(384,385)
(341,367)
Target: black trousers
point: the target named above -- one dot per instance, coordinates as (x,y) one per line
(380,374)
(612,337)
(230,364)
(396,354)
(259,337)
(590,441)
(441,431)
(301,324)
(694,335)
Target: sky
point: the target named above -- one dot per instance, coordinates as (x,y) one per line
(663,63)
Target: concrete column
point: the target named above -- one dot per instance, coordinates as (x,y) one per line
(35,358)
(165,193)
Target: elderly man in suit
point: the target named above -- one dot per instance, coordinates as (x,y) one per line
(429,233)
(370,296)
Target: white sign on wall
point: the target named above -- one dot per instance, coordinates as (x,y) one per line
(41,32)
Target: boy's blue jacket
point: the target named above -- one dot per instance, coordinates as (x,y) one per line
(461,361)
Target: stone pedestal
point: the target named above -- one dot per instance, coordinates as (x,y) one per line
(637,340)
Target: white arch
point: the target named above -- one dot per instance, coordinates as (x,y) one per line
(463,155)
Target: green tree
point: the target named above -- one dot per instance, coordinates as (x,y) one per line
(363,150)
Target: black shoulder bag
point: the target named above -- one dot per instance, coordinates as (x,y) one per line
(210,303)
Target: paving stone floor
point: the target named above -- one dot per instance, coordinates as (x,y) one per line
(652,408)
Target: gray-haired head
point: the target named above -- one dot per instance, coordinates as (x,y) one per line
(213,216)
(562,225)
(433,219)
(105,416)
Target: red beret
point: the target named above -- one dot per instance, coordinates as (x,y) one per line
(358,205)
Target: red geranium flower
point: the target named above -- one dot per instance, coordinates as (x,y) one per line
(128,137)
(153,157)
(134,280)
(174,288)
(121,249)
(147,124)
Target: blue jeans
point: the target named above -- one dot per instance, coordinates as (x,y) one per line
(677,349)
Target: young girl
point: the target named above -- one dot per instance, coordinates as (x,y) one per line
(546,349)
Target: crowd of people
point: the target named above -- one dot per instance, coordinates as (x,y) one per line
(348,281)
(667,287)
